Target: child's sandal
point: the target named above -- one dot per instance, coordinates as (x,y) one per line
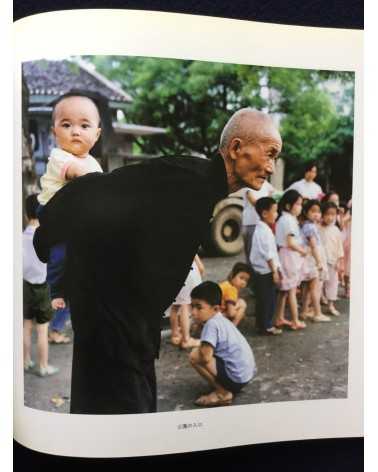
(298,325)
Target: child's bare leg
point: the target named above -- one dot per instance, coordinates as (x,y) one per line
(241,308)
(292,299)
(280,310)
(323,299)
(315,295)
(305,301)
(185,322)
(42,344)
(187,341)
(28,327)
(174,322)
(208,372)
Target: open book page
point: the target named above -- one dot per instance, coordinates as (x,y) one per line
(167,84)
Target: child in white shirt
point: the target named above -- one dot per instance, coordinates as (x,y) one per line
(76,127)
(266,265)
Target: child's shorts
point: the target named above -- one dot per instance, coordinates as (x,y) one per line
(225,380)
(37,304)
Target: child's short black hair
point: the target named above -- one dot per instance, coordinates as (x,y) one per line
(289,198)
(328,195)
(31,205)
(327,206)
(309,204)
(239,267)
(209,292)
(264,204)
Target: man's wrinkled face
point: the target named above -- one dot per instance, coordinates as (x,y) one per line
(255,162)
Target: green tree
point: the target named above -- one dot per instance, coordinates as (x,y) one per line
(194,99)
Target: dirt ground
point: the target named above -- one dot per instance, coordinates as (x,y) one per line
(305,365)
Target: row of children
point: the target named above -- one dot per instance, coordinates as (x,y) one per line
(308,246)
(304,247)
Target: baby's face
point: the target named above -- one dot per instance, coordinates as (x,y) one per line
(76,125)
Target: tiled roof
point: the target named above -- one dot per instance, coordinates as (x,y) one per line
(45,77)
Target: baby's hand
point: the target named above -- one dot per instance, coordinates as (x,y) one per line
(58,303)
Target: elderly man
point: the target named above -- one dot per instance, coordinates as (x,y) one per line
(131,237)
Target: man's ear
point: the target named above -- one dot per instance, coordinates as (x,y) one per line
(234,149)
(98,133)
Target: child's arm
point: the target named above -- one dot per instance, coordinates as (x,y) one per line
(75,169)
(294,246)
(206,351)
(200,264)
(275,273)
(315,252)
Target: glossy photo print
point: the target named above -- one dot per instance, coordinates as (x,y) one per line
(186,234)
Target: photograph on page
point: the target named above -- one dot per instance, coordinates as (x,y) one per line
(186,234)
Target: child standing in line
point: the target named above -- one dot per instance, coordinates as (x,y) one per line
(332,197)
(76,127)
(36,301)
(179,315)
(315,264)
(346,233)
(291,252)
(233,307)
(333,245)
(224,359)
(266,265)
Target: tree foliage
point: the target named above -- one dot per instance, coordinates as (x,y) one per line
(194,99)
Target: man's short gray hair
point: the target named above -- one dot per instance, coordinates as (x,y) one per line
(236,126)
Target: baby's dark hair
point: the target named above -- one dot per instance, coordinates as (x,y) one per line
(239,267)
(264,204)
(209,292)
(327,206)
(31,205)
(309,204)
(74,93)
(289,198)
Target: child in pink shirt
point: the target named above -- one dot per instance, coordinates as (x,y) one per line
(291,252)
(333,247)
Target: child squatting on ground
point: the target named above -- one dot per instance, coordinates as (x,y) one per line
(266,266)
(233,307)
(224,359)
(35,297)
(76,127)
